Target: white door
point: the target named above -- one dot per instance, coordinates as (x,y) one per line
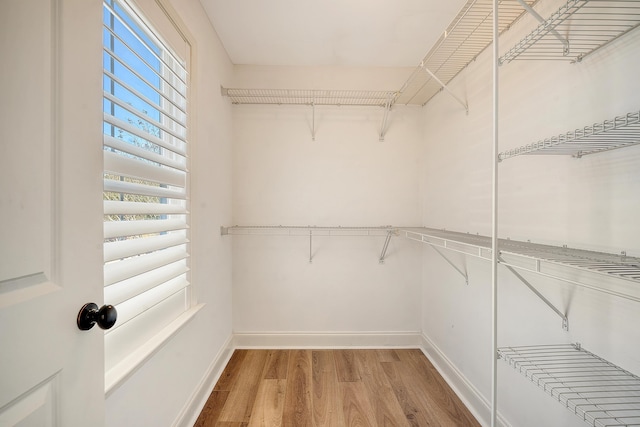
(51,373)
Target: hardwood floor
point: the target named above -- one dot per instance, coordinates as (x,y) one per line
(295,388)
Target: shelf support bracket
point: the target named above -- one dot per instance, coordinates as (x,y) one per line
(385,116)
(462,273)
(446,88)
(310,246)
(383,254)
(313,122)
(565,320)
(563,40)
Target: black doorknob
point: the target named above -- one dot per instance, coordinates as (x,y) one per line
(89,315)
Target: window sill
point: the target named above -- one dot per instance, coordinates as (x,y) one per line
(117,375)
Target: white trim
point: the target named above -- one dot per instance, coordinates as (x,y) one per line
(193,407)
(287,340)
(466,391)
(117,375)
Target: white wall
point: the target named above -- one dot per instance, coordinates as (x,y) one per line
(157,393)
(345,177)
(589,203)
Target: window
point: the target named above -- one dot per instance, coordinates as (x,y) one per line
(146,236)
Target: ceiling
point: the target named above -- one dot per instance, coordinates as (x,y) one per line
(372,33)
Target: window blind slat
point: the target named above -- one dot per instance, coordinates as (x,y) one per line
(131,267)
(123,341)
(126,166)
(127,248)
(114,229)
(176,134)
(114,186)
(120,145)
(173,59)
(172,95)
(133,307)
(108,118)
(125,289)
(179,88)
(144,98)
(114,207)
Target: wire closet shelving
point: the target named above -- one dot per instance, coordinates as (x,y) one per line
(577,29)
(467,36)
(312,231)
(313,98)
(619,132)
(532,257)
(599,392)
(362,98)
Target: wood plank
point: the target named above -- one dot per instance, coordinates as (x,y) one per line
(231,371)
(387,355)
(244,390)
(211,411)
(447,406)
(389,387)
(345,366)
(297,409)
(356,406)
(277,365)
(269,404)
(325,396)
(413,410)
(388,411)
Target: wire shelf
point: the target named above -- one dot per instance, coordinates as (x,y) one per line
(619,132)
(611,265)
(310,97)
(296,230)
(465,38)
(583,25)
(599,392)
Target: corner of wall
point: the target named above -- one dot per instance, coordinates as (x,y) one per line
(463,388)
(192,408)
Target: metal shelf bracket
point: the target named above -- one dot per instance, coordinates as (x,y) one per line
(313,122)
(462,273)
(383,254)
(565,43)
(565,320)
(385,116)
(446,88)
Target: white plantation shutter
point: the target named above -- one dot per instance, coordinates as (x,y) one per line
(146,210)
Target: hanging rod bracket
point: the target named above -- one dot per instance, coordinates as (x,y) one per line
(446,88)
(565,320)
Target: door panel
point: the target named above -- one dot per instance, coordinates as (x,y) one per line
(34,408)
(51,212)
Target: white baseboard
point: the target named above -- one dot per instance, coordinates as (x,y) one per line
(470,396)
(193,407)
(283,340)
